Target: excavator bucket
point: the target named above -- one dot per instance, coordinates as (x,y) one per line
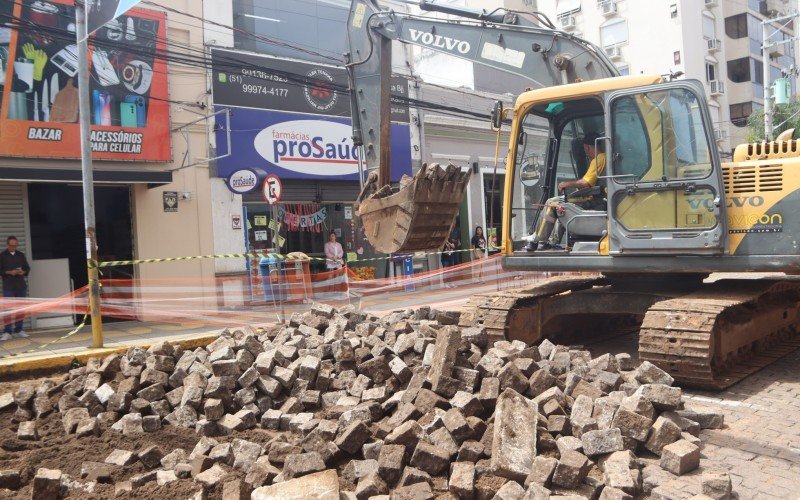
(420,215)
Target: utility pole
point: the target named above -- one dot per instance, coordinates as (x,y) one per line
(765,46)
(88,175)
(767,91)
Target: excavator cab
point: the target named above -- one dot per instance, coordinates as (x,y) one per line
(662,183)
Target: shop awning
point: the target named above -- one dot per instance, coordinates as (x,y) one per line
(70,175)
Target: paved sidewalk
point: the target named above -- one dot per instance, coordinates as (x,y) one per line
(127,333)
(760,444)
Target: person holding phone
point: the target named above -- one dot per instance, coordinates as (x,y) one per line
(13,269)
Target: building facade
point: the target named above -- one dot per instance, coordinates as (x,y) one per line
(279,72)
(745,60)
(657,37)
(715,41)
(150,201)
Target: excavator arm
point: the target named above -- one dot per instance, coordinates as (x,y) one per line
(505,40)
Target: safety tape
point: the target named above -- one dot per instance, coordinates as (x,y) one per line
(42,346)
(115,263)
(277,256)
(415,254)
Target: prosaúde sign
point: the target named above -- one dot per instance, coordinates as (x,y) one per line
(304,145)
(244,180)
(301,146)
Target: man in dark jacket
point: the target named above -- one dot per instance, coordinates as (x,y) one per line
(13,268)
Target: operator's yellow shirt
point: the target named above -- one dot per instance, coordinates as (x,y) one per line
(596,167)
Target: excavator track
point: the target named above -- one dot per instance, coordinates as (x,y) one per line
(505,312)
(710,336)
(722,333)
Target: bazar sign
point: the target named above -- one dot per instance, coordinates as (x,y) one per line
(129,101)
(309,147)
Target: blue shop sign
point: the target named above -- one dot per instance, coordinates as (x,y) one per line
(300,146)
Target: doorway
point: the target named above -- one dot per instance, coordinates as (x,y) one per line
(57,227)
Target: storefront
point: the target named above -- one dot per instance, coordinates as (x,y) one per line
(139,162)
(308,212)
(299,130)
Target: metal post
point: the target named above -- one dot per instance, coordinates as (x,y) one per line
(88,179)
(767,94)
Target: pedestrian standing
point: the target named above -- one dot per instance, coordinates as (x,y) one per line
(13,269)
(478,244)
(334,253)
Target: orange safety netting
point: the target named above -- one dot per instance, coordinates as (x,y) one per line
(236,300)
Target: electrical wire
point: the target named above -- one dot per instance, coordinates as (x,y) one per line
(195,57)
(229,63)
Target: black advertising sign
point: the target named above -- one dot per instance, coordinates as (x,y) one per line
(263,82)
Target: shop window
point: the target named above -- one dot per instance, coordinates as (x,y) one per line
(736,26)
(494,228)
(311,24)
(614,32)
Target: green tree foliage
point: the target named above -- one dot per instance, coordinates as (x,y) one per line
(788,113)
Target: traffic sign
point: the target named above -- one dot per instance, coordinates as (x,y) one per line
(272,189)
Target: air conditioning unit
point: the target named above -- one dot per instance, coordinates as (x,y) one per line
(567,22)
(714,45)
(717,87)
(614,53)
(711,3)
(607,7)
(720,135)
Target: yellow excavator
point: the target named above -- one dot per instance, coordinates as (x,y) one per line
(672,214)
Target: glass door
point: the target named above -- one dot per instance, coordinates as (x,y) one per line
(664,181)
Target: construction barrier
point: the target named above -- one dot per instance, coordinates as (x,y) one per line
(192,304)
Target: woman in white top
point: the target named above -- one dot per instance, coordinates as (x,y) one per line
(334,253)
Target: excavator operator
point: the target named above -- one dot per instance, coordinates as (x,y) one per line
(546,238)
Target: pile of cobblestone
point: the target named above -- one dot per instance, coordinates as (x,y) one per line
(355,405)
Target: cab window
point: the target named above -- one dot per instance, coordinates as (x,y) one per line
(659,135)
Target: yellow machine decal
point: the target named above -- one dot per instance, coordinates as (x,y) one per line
(752,191)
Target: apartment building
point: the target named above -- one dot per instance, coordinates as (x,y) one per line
(743,55)
(682,37)
(715,41)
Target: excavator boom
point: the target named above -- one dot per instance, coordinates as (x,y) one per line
(421,214)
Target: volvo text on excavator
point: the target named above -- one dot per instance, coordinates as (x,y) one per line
(671,214)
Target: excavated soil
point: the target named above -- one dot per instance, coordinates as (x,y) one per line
(57,450)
